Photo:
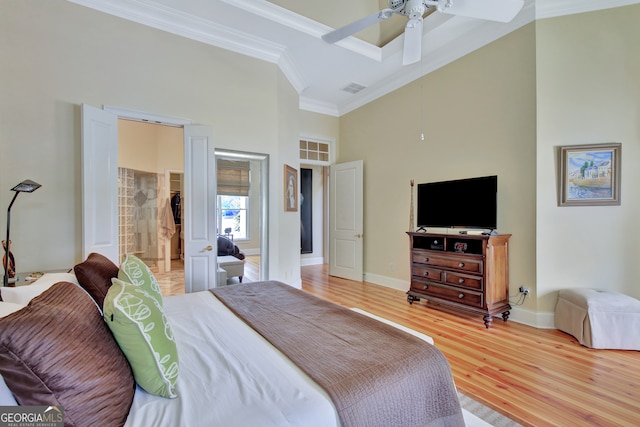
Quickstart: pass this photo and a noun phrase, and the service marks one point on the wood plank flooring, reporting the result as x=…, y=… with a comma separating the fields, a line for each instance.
x=536, y=377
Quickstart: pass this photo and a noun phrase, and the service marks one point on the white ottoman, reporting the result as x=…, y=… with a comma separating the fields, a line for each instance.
x=599, y=319
x=221, y=279
x=232, y=265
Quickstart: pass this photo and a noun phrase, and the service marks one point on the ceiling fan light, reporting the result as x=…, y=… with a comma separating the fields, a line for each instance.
x=492, y=10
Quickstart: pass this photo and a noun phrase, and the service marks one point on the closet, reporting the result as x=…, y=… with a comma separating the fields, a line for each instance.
x=175, y=197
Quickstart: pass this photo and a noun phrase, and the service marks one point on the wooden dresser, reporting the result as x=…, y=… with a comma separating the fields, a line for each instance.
x=461, y=272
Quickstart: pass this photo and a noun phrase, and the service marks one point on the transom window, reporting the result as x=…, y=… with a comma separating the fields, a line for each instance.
x=314, y=150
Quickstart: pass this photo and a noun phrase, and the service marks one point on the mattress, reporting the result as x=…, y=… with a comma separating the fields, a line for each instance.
x=225, y=367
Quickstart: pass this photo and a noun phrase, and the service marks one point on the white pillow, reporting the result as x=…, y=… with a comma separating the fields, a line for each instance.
x=6, y=308
x=24, y=294
x=6, y=397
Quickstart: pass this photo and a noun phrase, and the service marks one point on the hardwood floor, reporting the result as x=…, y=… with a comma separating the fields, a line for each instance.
x=172, y=282
x=537, y=377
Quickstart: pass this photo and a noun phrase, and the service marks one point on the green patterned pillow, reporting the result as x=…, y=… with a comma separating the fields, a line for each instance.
x=144, y=335
x=133, y=270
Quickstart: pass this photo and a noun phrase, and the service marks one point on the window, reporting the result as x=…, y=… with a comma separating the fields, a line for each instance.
x=233, y=198
x=232, y=216
x=314, y=151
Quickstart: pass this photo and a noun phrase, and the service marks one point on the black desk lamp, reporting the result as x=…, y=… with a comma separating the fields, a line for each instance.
x=26, y=186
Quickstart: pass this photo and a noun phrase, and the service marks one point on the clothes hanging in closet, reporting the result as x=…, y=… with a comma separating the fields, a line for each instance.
x=175, y=207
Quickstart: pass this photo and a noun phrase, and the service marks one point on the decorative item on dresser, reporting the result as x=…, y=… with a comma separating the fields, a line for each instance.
x=411, y=183
x=464, y=272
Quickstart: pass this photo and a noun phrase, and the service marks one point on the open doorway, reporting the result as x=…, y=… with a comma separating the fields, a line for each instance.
x=150, y=192
x=243, y=208
x=151, y=219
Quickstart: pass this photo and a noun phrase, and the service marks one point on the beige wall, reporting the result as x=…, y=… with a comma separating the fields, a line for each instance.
x=588, y=92
x=502, y=109
x=505, y=109
x=319, y=125
x=58, y=55
x=478, y=117
x=150, y=148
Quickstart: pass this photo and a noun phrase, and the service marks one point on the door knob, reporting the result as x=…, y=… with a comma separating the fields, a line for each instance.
x=208, y=248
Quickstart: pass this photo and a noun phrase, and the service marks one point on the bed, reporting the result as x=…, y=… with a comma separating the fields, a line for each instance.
x=247, y=355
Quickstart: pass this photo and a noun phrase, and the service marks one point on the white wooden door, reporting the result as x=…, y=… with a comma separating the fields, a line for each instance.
x=199, y=201
x=346, y=220
x=100, y=195
x=99, y=148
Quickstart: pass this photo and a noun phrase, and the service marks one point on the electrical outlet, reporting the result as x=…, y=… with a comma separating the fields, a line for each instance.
x=524, y=290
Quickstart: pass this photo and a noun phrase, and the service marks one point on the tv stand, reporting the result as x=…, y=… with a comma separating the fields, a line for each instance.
x=461, y=273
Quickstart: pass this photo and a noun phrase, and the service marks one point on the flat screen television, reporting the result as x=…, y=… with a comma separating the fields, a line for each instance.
x=462, y=203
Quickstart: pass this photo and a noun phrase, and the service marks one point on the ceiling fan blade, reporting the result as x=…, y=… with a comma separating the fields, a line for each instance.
x=356, y=26
x=412, y=51
x=491, y=10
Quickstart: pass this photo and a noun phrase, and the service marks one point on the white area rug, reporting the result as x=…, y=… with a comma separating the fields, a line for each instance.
x=478, y=415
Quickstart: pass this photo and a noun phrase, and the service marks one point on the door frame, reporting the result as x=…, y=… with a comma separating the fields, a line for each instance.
x=264, y=201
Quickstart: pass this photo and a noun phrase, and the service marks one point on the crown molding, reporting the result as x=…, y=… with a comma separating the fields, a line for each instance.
x=315, y=106
x=176, y=22
x=553, y=8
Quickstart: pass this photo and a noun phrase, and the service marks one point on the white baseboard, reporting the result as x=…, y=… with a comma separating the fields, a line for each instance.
x=389, y=282
x=517, y=314
x=311, y=261
x=255, y=251
x=533, y=318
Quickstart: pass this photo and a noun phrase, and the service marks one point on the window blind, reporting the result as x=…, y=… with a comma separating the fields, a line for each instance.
x=233, y=177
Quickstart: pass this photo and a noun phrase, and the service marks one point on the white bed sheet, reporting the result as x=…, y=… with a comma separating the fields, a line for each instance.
x=229, y=376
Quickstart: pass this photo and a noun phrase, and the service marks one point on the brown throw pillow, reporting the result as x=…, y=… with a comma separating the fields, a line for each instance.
x=58, y=351
x=95, y=274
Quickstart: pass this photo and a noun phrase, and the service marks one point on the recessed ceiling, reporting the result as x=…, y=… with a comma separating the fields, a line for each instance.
x=288, y=33
x=324, y=12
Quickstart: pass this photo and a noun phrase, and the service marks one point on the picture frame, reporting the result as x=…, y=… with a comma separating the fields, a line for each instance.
x=589, y=175
x=290, y=189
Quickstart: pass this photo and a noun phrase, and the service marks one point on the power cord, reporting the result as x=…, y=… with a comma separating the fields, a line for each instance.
x=524, y=292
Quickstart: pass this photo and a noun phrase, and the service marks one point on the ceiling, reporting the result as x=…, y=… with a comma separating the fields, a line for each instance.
x=288, y=33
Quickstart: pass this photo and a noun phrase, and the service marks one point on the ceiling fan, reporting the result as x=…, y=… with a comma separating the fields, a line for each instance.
x=414, y=10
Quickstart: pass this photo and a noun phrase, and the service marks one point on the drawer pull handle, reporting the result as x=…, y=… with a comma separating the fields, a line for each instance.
x=460, y=296
x=460, y=280
x=426, y=273
x=426, y=260
x=461, y=264
x=425, y=287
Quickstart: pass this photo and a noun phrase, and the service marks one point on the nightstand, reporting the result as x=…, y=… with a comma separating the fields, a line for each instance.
x=23, y=279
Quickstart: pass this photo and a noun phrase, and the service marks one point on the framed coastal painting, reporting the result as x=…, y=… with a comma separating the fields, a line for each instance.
x=589, y=175
x=290, y=189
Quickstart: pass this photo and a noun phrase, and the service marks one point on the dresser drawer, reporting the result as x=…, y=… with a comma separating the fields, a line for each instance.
x=458, y=263
x=463, y=280
x=420, y=270
x=469, y=298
